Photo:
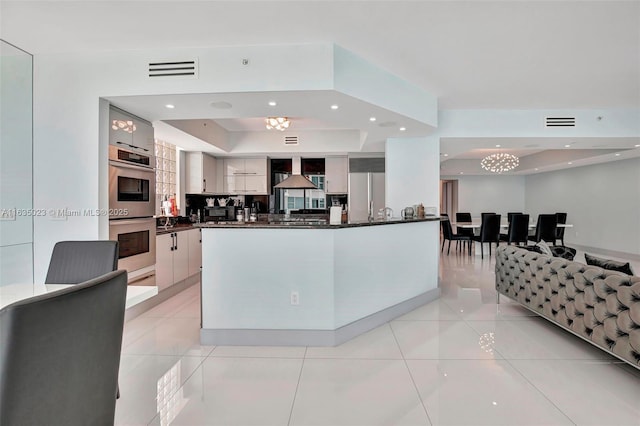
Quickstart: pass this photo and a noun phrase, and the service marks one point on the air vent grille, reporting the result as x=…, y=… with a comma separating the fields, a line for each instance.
x=291, y=140
x=173, y=69
x=560, y=122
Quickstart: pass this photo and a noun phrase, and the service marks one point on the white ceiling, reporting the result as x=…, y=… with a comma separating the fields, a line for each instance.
x=474, y=54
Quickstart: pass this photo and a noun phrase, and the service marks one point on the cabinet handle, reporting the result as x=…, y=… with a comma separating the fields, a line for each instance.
x=204, y=185
x=176, y=234
x=173, y=242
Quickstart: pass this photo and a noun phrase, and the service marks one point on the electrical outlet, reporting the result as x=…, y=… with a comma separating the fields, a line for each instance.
x=295, y=298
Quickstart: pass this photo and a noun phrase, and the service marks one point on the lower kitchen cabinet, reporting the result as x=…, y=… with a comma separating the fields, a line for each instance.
x=172, y=258
x=195, y=250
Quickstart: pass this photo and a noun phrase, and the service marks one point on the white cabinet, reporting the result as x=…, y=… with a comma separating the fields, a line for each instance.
x=336, y=171
x=130, y=132
x=194, y=237
x=201, y=174
x=245, y=176
x=172, y=258
x=164, y=261
x=181, y=256
x=245, y=166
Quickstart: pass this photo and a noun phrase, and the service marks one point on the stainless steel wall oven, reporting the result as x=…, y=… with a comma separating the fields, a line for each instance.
x=132, y=198
x=137, y=242
x=132, y=184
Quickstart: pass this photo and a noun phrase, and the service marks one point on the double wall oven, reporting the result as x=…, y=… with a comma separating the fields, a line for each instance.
x=132, y=206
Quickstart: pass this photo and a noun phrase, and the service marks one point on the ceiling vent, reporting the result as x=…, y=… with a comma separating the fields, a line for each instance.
x=173, y=69
x=560, y=122
x=291, y=140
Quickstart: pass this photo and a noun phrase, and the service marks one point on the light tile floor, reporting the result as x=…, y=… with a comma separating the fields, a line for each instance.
x=460, y=360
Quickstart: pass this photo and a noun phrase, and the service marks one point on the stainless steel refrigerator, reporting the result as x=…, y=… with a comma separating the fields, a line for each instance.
x=366, y=192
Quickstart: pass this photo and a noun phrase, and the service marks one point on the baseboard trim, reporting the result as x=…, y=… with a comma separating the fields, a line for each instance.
x=142, y=307
x=606, y=252
x=257, y=337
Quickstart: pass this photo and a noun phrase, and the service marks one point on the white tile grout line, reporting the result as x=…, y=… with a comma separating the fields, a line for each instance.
x=406, y=365
x=295, y=394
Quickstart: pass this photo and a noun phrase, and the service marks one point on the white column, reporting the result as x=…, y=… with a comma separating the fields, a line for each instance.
x=412, y=168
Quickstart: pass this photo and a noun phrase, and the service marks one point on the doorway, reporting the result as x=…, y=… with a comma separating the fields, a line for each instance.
x=449, y=197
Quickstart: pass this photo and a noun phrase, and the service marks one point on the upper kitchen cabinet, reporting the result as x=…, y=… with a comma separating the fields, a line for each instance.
x=245, y=166
x=201, y=174
x=336, y=171
x=130, y=132
x=245, y=176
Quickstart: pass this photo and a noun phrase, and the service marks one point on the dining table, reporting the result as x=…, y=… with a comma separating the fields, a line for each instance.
x=477, y=224
x=11, y=293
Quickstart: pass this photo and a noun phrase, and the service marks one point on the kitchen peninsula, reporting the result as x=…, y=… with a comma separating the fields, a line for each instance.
x=313, y=284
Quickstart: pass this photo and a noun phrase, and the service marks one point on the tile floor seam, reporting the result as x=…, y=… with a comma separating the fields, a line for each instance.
x=415, y=386
x=143, y=334
x=545, y=396
x=295, y=393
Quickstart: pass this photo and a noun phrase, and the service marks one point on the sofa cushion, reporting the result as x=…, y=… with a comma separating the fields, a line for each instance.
x=544, y=248
x=611, y=265
x=556, y=251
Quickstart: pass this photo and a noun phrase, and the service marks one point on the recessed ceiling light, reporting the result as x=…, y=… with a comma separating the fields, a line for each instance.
x=372, y=119
x=569, y=162
x=334, y=106
x=272, y=103
x=461, y=173
x=617, y=154
x=567, y=146
x=446, y=155
x=498, y=146
x=637, y=145
x=402, y=129
x=536, y=169
x=170, y=106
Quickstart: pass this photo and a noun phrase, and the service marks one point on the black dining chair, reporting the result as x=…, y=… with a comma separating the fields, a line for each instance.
x=545, y=228
x=447, y=234
x=511, y=214
x=73, y=262
x=464, y=217
x=60, y=354
x=518, y=231
x=489, y=232
x=562, y=219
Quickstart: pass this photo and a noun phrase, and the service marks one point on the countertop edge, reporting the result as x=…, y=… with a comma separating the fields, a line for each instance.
x=259, y=225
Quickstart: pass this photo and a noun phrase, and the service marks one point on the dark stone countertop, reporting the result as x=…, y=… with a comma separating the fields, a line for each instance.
x=310, y=224
x=175, y=228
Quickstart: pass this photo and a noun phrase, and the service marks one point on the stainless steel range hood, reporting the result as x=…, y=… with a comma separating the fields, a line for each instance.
x=296, y=182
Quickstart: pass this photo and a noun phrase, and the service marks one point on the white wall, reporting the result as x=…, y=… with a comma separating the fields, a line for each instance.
x=500, y=194
x=412, y=173
x=602, y=201
x=16, y=228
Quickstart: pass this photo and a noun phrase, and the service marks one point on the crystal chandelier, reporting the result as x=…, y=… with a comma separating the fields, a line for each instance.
x=278, y=123
x=500, y=162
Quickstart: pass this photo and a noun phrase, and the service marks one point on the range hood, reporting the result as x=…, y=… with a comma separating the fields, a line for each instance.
x=296, y=182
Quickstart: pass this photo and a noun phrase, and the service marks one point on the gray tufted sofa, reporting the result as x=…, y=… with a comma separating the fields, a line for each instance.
x=602, y=307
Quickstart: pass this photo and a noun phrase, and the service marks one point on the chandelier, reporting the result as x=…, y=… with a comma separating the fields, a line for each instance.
x=278, y=123
x=127, y=125
x=500, y=162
